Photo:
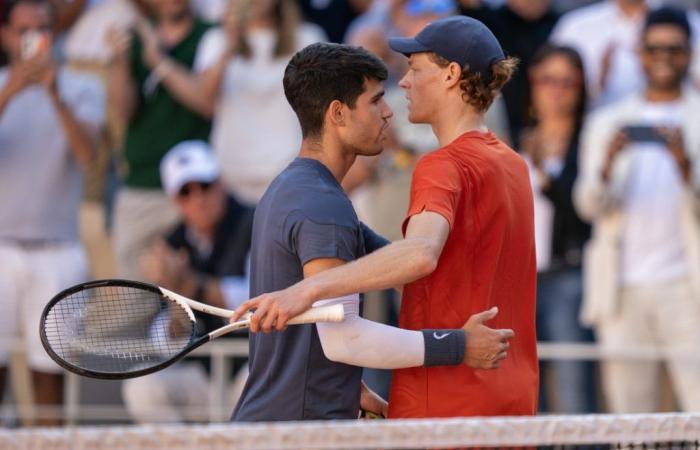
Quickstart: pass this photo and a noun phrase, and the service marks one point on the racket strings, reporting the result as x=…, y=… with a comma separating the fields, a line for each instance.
x=117, y=329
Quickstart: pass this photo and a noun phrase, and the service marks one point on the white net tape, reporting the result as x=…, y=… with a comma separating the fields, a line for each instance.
x=623, y=430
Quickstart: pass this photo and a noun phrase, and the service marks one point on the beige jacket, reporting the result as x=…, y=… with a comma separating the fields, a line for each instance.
x=600, y=203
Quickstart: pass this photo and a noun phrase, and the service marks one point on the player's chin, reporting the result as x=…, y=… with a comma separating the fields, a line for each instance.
x=416, y=117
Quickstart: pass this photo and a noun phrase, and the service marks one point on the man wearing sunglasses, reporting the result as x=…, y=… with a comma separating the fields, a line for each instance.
x=205, y=258
x=638, y=185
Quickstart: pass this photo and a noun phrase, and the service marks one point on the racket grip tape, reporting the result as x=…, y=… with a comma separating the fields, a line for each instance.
x=330, y=313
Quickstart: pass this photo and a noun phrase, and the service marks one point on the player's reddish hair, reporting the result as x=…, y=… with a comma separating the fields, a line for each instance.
x=476, y=91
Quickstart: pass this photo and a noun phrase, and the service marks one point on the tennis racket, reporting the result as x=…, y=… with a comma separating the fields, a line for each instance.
x=117, y=329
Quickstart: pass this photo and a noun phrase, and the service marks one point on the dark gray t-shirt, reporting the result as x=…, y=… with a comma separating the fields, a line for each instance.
x=304, y=215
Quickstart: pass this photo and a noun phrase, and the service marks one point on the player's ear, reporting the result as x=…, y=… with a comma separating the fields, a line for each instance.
x=453, y=74
x=336, y=113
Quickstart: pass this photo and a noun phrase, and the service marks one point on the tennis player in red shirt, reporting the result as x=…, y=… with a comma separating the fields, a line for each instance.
x=469, y=239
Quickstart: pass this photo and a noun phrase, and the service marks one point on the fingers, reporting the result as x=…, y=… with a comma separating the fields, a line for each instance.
x=484, y=315
x=506, y=334
x=242, y=309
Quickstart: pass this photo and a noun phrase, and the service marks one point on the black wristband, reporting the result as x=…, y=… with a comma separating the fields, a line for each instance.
x=444, y=347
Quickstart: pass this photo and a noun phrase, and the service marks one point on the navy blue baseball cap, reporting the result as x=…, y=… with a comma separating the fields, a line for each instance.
x=458, y=39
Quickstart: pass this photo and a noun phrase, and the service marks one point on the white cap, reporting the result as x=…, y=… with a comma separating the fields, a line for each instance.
x=186, y=162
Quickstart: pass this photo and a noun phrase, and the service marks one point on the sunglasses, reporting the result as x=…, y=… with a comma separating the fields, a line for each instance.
x=188, y=188
x=673, y=50
x=560, y=82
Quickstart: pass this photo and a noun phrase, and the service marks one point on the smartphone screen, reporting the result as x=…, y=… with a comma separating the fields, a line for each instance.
x=643, y=133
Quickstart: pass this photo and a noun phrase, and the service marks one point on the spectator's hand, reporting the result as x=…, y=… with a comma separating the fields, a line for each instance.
x=165, y=266
x=20, y=76
x=485, y=346
x=370, y=401
x=676, y=145
x=152, y=53
x=233, y=24
x=119, y=41
x=618, y=142
x=47, y=75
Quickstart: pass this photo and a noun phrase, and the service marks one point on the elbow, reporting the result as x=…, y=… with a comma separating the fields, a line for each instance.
x=331, y=343
x=425, y=259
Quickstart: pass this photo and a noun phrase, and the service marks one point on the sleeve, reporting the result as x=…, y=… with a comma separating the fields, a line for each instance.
x=373, y=241
x=361, y=342
x=210, y=49
x=312, y=239
x=436, y=188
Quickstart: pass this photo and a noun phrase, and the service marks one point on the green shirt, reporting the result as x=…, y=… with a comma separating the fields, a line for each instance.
x=160, y=121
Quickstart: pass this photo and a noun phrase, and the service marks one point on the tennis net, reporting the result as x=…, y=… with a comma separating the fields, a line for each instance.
x=648, y=431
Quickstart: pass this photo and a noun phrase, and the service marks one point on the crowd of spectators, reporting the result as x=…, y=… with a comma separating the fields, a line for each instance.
x=137, y=136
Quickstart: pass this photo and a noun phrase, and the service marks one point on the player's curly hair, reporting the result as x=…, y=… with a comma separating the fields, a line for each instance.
x=477, y=92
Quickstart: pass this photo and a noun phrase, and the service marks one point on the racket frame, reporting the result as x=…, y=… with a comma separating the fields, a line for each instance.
x=332, y=313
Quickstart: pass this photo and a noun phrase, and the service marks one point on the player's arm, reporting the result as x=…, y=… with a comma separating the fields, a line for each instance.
x=396, y=264
x=365, y=343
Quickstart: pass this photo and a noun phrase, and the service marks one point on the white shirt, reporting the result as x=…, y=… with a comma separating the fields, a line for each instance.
x=41, y=181
x=593, y=29
x=652, y=245
x=255, y=132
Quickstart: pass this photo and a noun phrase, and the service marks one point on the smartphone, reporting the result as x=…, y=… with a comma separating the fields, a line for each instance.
x=34, y=43
x=643, y=133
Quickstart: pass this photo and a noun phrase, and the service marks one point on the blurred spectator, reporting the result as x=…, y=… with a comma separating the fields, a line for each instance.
x=334, y=16
x=550, y=147
x=638, y=184
x=606, y=34
x=165, y=92
x=49, y=120
x=522, y=27
x=204, y=258
x=251, y=97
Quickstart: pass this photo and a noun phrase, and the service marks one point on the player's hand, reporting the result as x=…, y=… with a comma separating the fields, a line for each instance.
x=371, y=402
x=273, y=310
x=486, y=347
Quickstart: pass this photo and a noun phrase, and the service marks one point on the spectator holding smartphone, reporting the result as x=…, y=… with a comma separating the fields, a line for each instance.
x=49, y=119
x=639, y=188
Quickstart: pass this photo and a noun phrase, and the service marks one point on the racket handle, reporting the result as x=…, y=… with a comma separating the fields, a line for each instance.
x=331, y=313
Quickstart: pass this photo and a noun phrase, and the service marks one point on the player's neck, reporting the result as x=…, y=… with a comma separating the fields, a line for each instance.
x=335, y=160
x=450, y=125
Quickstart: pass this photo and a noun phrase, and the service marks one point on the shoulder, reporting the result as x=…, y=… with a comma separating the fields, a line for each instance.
x=437, y=169
x=300, y=193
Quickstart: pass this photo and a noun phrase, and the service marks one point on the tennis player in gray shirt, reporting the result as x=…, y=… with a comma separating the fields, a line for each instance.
x=305, y=224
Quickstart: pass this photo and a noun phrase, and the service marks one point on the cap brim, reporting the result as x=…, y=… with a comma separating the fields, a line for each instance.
x=407, y=46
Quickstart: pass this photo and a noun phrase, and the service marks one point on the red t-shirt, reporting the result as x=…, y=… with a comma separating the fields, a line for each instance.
x=482, y=188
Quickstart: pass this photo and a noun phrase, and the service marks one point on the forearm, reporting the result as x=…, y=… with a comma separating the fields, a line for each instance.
x=361, y=342
x=121, y=90
x=80, y=141
x=364, y=343
x=394, y=265
x=5, y=97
